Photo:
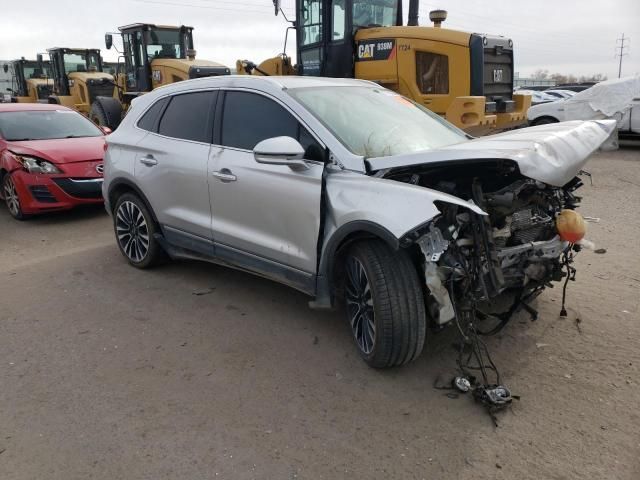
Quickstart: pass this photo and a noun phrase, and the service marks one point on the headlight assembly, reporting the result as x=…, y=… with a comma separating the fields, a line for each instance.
x=37, y=165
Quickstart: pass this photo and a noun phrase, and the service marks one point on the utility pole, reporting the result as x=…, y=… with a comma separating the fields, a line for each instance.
x=622, y=52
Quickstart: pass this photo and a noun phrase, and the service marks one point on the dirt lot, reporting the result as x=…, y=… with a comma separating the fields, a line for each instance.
x=107, y=372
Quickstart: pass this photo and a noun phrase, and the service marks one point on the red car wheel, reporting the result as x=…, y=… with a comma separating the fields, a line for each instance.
x=11, y=197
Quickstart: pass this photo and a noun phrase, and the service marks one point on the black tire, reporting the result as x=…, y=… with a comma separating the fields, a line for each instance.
x=106, y=112
x=543, y=121
x=11, y=198
x=396, y=303
x=135, y=228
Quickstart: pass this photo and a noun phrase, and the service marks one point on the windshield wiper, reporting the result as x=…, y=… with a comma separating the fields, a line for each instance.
x=19, y=139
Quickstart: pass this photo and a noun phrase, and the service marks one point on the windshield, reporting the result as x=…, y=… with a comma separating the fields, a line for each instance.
x=164, y=44
x=376, y=122
x=81, y=62
x=33, y=70
x=45, y=125
x=374, y=12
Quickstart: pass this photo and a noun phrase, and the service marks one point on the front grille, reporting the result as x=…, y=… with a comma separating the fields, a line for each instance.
x=42, y=194
x=99, y=88
x=89, y=188
x=498, y=73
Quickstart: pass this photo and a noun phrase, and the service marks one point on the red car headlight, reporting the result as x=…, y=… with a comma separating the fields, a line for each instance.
x=37, y=165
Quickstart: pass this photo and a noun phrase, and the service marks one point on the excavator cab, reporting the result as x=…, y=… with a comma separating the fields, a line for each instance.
x=326, y=31
x=156, y=55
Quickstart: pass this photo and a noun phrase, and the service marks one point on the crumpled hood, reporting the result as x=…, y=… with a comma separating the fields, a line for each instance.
x=552, y=153
x=62, y=150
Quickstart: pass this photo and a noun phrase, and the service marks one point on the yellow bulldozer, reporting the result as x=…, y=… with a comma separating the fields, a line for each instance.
x=154, y=55
x=465, y=77
x=30, y=80
x=78, y=78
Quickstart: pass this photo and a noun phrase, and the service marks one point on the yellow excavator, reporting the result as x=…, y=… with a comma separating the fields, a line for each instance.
x=154, y=55
x=465, y=77
x=30, y=80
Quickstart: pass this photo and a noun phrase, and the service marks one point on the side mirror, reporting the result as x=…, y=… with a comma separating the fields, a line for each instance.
x=276, y=5
x=5, y=67
x=39, y=58
x=281, y=151
x=106, y=130
x=108, y=40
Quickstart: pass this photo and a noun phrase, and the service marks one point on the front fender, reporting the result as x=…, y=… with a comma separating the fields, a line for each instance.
x=396, y=206
x=379, y=207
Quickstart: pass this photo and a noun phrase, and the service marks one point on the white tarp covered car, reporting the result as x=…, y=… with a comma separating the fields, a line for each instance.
x=618, y=99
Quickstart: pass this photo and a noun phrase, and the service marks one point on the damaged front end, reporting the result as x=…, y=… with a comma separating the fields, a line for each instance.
x=513, y=251
x=481, y=269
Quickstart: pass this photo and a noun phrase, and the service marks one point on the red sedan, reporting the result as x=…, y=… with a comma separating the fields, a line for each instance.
x=50, y=159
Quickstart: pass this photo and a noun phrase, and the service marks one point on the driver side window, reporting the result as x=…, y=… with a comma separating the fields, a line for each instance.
x=249, y=118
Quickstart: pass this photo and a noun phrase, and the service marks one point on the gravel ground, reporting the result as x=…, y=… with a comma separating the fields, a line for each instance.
x=108, y=372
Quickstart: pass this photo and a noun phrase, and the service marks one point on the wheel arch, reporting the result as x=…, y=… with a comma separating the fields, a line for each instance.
x=119, y=187
x=334, y=250
x=540, y=120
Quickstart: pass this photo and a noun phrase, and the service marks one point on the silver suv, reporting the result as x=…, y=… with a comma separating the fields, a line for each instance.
x=348, y=192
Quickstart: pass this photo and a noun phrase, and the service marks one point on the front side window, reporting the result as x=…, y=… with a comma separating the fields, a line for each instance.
x=311, y=15
x=250, y=118
x=45, y=125
x=187, y=117
x=432, y=73
x=376, y=122
x=378, y=13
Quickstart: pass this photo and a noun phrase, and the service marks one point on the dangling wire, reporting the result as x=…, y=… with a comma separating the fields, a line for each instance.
x=567, y=259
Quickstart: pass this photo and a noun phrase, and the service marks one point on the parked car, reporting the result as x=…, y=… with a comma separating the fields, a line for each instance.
x=560, y=93
x=50, y=159
x=618, y=99
x=348, y=192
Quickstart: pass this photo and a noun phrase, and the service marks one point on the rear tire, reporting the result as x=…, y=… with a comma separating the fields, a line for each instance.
x=11, y=197
x=384, y=304
x=135, y=228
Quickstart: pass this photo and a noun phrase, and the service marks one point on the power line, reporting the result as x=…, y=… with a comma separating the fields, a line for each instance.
x=622, y=52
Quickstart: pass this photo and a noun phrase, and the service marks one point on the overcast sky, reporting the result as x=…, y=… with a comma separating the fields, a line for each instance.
x=577, y=37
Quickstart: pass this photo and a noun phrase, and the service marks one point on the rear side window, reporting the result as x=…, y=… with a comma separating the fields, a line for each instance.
x=149, y=120
x=250, y=118
x=188, y=117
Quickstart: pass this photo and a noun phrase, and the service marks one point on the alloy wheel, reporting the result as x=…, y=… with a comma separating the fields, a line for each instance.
x=132, y=231
x=359, y=302
x=11, y=196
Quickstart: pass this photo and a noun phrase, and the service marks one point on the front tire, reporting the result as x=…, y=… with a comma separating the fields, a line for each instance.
x=12, y=198
x=543, y=121
x=135, y=229
x=384, y=304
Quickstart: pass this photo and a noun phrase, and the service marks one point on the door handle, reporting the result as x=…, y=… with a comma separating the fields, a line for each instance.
x=148, y=160
x=225, y=175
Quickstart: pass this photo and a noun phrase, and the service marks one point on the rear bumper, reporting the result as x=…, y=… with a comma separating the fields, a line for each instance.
x=45, y=193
